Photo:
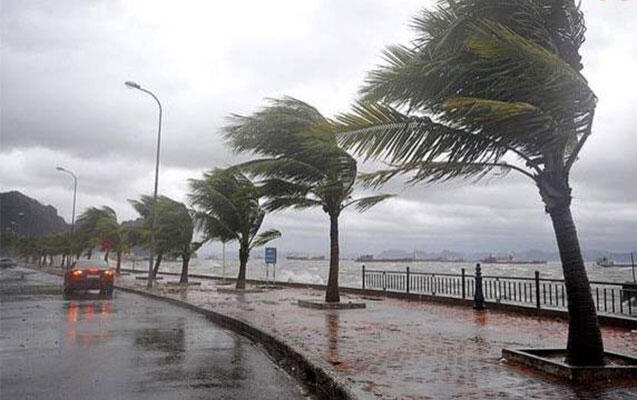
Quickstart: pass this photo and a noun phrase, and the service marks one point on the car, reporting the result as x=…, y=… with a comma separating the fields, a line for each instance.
x=84, y=275
x=7, y=263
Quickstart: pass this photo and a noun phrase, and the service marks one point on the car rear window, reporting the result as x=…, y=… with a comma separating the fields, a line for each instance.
x=91, y=264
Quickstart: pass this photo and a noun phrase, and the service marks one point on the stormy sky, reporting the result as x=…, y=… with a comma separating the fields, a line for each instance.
x=63, y=102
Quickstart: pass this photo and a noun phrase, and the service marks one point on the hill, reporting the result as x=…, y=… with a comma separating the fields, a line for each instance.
x=28, y=217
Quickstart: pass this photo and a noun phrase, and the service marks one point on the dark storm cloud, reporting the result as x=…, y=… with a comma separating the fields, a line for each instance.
x=63, y=102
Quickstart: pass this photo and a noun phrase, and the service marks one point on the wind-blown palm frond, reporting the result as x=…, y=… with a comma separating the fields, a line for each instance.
x=374, y=131
x=284, y=168
x=278, y=202
x=483, y=79
x=265, y=237
x=365, y=203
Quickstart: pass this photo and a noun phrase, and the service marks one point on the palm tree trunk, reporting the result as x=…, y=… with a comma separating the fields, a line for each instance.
x=106, y=255
x=332, y=294
x=157, y=262
x=184, y=268
x=89, y=254
x=244, y=253
x=584, y=346
x=119, y=262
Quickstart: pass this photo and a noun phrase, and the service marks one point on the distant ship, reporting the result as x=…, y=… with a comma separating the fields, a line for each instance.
x=305, y=258
x=607, y=263
x=509, y=260
x=371, y=258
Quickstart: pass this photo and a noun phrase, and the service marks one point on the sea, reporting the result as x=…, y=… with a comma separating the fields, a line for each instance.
x=315, y=271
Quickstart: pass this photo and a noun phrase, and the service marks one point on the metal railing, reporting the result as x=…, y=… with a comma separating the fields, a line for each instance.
x=609, y=297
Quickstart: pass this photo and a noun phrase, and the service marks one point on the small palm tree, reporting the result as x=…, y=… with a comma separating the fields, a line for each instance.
x=164, y=224
x=114, y=237
x=86, y=227
x=227, y=208
x=490, y=86
x=303, y=166
x=175, y=222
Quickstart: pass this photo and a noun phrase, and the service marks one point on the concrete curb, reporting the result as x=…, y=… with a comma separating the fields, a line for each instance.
x=312, y=372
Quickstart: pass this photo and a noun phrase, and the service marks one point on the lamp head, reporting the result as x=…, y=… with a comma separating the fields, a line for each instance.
x=132, y=85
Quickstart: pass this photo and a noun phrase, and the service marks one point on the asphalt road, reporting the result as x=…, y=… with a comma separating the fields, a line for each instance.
x=129, y=347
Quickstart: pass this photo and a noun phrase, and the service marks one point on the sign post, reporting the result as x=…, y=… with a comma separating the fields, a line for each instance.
x=270, y=258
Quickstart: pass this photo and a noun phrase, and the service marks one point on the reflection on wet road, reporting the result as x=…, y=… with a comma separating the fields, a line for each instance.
x=127, y=348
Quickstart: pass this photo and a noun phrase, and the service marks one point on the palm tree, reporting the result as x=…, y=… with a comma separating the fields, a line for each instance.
x=86, y=227
x=227, y=208
x=114, y=237
x=175, y=221
x=302, y=166
x=490, y=86
x=164, y=242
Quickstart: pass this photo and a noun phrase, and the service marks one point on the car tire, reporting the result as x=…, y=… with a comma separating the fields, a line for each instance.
x=108, y=293
x=68, y=293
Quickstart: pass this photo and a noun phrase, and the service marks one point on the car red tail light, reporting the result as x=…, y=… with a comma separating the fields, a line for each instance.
x=93, y=271
x=77, y=273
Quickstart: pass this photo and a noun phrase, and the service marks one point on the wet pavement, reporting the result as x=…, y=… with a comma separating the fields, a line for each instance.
x=129, y=347
x=411, y=350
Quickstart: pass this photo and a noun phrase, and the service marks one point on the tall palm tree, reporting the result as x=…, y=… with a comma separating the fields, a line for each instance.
x=227, y=208
x=302, y=166
x=490, y=86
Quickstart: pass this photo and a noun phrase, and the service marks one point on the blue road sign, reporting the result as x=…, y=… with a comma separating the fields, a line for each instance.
x=270, y=255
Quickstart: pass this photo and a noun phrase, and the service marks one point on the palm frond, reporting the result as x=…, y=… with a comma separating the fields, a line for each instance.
x=365, y=203
x=440, y=171
x=265, y=237
x=277, y=203
x=282, y=167
x=379, y=131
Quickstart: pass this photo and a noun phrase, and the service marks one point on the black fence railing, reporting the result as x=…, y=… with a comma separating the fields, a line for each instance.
x=609, y=297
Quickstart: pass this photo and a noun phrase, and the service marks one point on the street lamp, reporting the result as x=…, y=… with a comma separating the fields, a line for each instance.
x=134, y=85
x=66, y=171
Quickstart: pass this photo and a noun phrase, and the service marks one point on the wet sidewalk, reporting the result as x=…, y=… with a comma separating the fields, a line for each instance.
x=409, y=350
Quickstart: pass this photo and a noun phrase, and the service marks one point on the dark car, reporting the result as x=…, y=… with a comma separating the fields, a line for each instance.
x=89, y=275
x=7, y=263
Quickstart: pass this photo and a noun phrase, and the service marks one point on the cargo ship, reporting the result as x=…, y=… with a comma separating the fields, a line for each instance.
x=305, y=258
x=509, y=260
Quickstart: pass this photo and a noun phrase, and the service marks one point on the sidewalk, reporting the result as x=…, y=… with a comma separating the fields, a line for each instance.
x=408, y=350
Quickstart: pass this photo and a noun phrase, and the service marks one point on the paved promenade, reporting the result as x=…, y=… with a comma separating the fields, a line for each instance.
x=409, y=350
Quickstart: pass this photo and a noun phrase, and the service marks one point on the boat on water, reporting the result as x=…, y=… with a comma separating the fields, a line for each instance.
x=509, y=260
x=305, y=258
x=371, y=258
x=608, y=263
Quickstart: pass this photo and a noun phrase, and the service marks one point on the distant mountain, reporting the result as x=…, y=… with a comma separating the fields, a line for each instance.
x=28, y=217
x=394, y=254
x=533, y=254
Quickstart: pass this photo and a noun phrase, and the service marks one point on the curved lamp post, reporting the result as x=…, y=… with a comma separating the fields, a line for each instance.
x=66, y=171
x=134, y=85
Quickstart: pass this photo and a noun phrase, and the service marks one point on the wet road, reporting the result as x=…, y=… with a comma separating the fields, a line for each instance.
x=126, y=348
